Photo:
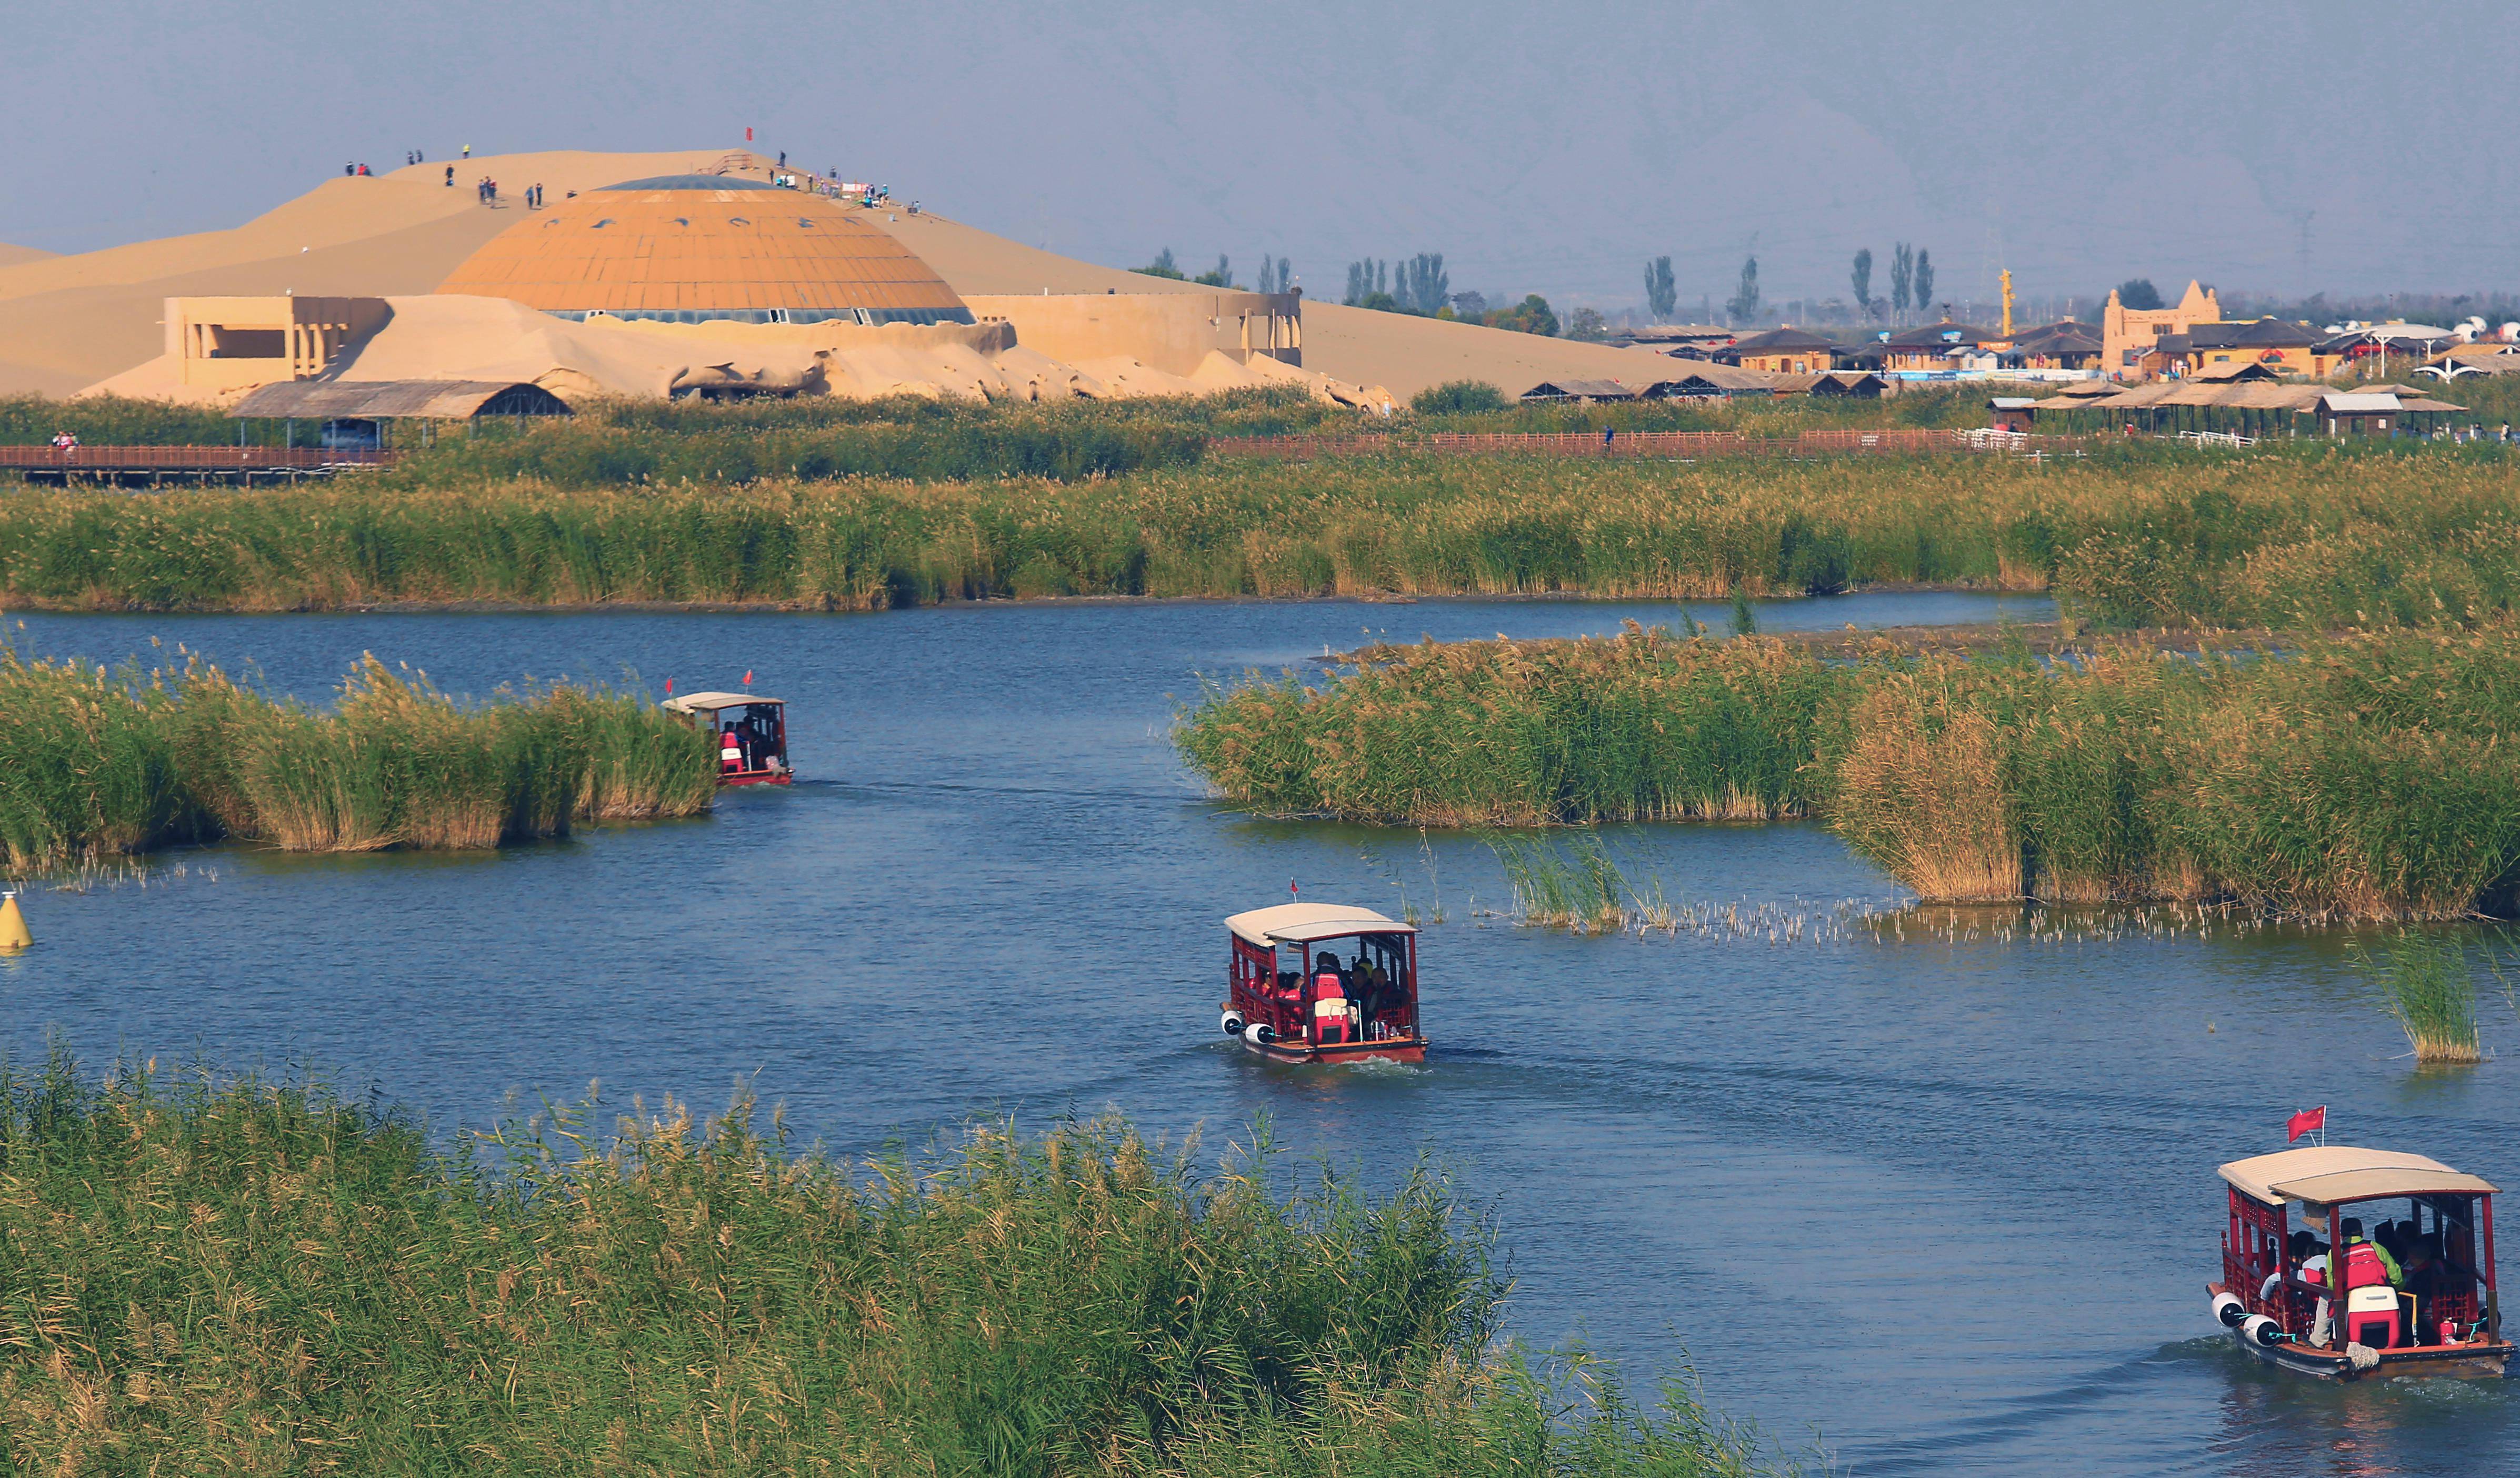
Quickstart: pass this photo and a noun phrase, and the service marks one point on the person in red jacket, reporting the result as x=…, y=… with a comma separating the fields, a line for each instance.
x=1329, y=1000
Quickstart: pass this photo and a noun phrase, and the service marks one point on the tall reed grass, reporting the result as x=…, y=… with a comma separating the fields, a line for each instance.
x=96, y=763
x=2368, y=775
x=2431, y=992
x=242, y=1275
x=2306, y=539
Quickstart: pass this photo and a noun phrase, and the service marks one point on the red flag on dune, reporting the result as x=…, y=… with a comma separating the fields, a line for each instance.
x=2305, y=1122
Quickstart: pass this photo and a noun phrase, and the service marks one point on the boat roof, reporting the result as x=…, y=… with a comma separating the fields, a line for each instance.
x=712, y=703
x=1304, y=922
x=2324, y=1174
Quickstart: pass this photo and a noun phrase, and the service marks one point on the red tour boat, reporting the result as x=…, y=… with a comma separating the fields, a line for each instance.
x=751, y=735
x=2413, y=1239
x=1312, y=1005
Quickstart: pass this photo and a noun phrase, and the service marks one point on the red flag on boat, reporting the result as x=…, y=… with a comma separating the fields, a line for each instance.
x=748, y=136
x=1293, y=891
x=669, y=686
x=747, y=677
x=2308, y=1121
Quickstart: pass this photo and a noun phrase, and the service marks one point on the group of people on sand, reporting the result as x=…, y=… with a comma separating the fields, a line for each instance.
x=2395, y=1255
x=1344, y=1002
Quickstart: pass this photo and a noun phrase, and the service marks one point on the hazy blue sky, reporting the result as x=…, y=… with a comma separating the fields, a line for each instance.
x=1550, y=146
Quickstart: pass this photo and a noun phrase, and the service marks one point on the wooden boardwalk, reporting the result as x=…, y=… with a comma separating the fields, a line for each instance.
x=1666, y=445
x=155, y=466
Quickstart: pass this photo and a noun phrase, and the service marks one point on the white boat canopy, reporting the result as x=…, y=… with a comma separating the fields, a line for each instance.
x=1305, y=923
x=2321, y=1174
x=712, y=703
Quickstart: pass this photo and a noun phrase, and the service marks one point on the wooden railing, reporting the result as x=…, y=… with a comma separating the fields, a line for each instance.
x=186, y=458
x=1663, y=444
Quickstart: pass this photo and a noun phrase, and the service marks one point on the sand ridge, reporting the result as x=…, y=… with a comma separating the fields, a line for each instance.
x=70, y=322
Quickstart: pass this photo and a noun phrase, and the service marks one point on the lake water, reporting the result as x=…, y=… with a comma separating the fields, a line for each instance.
x=1947, y=1203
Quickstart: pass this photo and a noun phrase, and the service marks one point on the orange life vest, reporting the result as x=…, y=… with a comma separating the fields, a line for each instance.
x=729, y=753
x=2362, y=1266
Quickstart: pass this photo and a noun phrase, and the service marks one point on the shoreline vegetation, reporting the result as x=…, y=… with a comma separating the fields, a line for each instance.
x=2362, y=777
x=252, y=1276
x=96, y=763
x=2309, y=538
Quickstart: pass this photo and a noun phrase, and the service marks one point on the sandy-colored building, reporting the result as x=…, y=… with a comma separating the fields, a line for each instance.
x=235, y=344
x=1171, y=331
x=1783, y=351
x=2270, y=342
x=2128, y=334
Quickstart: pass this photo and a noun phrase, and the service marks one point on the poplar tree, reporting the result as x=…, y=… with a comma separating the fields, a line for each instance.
x=1662, y=294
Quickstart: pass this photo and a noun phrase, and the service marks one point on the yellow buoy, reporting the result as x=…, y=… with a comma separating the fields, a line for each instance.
x=13, y=923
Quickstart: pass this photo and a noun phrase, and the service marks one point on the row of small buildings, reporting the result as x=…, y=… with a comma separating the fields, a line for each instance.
x=2189, y=341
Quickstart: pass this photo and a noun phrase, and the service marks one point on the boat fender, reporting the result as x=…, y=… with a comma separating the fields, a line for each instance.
x=2230, y=1310
x=1259, y=1034
x=1233, y=1023
x=2361, y=1357
x=2262, y=1331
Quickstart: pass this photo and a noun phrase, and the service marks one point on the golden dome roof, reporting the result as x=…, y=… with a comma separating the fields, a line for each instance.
x=688, y=247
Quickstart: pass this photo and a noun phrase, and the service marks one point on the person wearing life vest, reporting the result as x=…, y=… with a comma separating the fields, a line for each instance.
x=729, y=752
x=1329, y=1000
x=2368, y=1264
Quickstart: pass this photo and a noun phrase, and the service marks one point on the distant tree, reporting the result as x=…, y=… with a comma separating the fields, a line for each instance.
x=1588, y=325
x=2138, y=293
x=1532, y=315
x=1219, y=276
x=1864, y=281
x=1458, y=397
x=1903, y=278
x=1365, y=279
x=1380, y=302
x=1471, y=305
x=1276, y=275
x=1423, y=284
x=1662, y=294
x=1923, y=291
x=1743, y=305
x=1162, y=267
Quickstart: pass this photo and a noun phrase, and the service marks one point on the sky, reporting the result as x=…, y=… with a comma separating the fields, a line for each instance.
x=2272, y=149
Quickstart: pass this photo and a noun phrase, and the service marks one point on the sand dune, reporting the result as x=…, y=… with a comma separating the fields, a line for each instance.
x=70, y=322
x=1405, y=354
x=10, y=256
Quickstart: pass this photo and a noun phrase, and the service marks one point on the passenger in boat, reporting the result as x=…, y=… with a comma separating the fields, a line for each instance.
x=1329, y=1000
x=2367, y=1264
x=1373, y=988
x=2303, y=1251
x=730, y=751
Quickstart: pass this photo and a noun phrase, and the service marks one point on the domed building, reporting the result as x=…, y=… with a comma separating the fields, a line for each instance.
x=698, y=248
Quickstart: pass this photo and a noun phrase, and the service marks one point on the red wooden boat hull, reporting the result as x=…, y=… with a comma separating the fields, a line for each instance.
x=1389, y=1049
x=2475, y=1362
x=758, y=777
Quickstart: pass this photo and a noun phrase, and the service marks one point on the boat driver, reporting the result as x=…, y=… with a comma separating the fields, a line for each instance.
x=1329, y=1000
x=2366, y=1263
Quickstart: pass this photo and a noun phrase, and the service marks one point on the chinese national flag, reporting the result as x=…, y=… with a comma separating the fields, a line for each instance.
x=2305, y=1122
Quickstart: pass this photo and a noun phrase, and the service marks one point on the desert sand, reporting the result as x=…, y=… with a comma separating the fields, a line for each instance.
x=10, y=256
x=70, y=322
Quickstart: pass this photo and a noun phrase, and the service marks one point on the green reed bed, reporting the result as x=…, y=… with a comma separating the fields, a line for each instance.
x=96, y=763
x=2284, y=540
x=253, y=1277
x=2430, y=988
x=2362, y=777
